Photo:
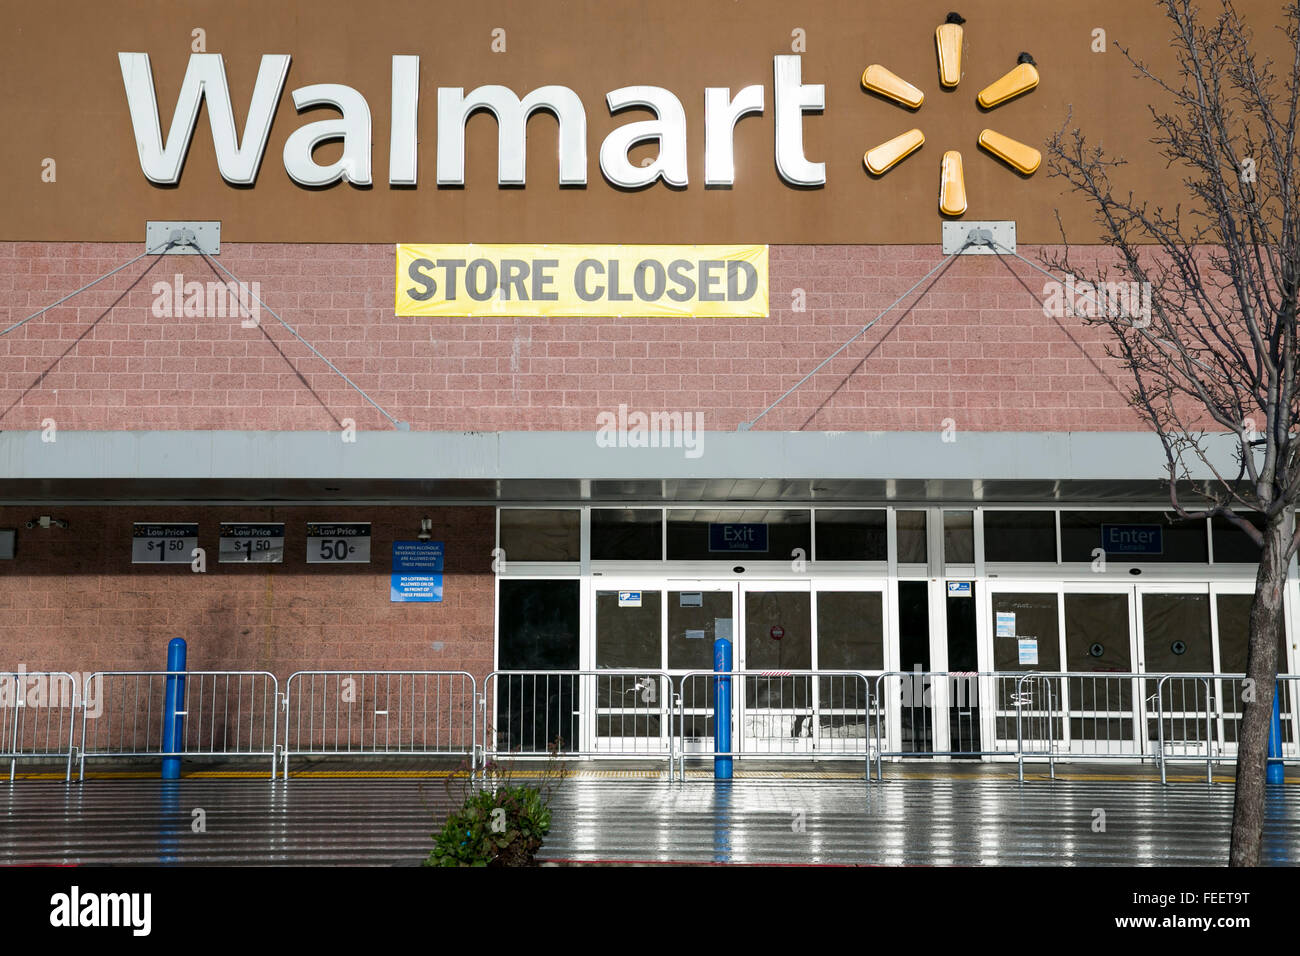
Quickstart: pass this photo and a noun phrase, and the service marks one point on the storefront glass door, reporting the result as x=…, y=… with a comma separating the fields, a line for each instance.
x=776, y=711
x=776, y=627
x=1097, y=634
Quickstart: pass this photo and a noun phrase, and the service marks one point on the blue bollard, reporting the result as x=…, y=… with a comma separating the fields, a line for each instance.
x=173, y=735
x=1276, y=770
x=722, y=709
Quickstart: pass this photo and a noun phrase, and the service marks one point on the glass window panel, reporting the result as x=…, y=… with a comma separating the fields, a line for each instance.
x=628, y=636
x=541, y=534
x=1234, y=633
x=626, y=534
x=1020, y=536
x=1097, y=632
x=692, y=627
x=538, y=630
x=1036, y=616
x=1176, y=638
x=911, y=537
x=1097, y=640
x=688, y=533
x=914, y=625
x=1181, y=541
x=1176, y=633
x=538, y=625
x=1232, y=545
x=959, y=537
x=960, y=620
x=852, y=535
x=778, y=637
x=850, y=630
x=1234, y=639
x=916, y=725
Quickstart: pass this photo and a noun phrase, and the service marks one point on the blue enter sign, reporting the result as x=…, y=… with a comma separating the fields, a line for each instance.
x=737, y=537
x=1132, y=539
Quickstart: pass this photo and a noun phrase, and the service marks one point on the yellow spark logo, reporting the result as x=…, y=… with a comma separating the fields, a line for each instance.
x=952, y=185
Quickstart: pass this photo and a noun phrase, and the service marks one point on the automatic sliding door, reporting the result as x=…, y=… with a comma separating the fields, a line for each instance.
x=1233, y=620
x=1026, y=629
x=1176, y=639
x=630, y=708
x=850, y=637
x=697, y=615
x=1102, y=705
x=778, y=709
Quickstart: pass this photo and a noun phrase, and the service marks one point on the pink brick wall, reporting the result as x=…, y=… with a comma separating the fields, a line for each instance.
x=74, y=601
x=977, y=349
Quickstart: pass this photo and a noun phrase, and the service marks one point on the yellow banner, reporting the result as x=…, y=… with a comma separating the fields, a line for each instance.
x=486, y=279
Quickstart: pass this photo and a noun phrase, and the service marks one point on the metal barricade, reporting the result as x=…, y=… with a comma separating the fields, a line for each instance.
x=38, y=717
x=1037, y=721
x=379, y=713
x=1185, y=720
x=825, y=714
x=1228, y=696
x=541, y=713
x=225, y=714
x=1100, y=714
x=1288, y=685
x=938, y=714
x=1199, y=718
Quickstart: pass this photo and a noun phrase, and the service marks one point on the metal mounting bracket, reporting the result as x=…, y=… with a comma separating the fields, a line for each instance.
x=183, y=238
x=983, y=236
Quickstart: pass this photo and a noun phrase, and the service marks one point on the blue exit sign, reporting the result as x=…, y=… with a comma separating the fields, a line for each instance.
x=1132, y=539
x=738, y=537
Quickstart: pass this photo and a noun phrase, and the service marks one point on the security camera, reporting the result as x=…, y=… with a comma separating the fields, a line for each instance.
x=46, y=521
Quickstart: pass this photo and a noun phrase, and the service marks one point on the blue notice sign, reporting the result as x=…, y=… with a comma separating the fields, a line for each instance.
x=1132, y=539
x=737, y=537
x=417, y=571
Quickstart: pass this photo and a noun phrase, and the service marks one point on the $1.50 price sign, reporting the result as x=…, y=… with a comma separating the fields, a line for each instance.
x=163, y=543
x=257, y=543
x=346, y=542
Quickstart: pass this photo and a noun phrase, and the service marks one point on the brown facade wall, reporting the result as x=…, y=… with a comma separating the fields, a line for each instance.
x=72, y=600
x=61, y=70
x=977, y=348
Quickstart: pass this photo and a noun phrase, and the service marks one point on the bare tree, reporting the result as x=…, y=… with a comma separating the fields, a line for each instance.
x=1212, y=351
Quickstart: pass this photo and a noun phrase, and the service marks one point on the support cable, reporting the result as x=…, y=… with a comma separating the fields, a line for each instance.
x=400, y=426
x=148, y=252
x=1101, y=307
x=746, y=426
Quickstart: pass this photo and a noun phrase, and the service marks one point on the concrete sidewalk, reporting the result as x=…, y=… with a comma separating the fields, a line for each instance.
x=992, y=821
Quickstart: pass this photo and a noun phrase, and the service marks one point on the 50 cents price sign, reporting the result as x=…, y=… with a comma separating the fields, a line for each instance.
x=163, y=543
x=345, y=542
x=259, y=543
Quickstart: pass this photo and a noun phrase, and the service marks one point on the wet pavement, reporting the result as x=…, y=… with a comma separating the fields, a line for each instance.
x=940, y=820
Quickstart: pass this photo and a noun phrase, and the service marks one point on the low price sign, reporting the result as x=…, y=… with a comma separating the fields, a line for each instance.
x=339, y=542
x=261, y=543
x=171, y=543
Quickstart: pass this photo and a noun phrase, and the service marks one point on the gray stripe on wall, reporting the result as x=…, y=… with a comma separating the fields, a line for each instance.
x=260, y=455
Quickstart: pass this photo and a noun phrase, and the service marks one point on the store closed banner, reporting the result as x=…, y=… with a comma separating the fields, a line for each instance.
x=478, y=279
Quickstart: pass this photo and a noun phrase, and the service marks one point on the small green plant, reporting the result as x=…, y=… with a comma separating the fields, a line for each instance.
x=501, y=823
x=502, y=827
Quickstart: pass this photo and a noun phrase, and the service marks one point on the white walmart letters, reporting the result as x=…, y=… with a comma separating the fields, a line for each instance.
x=239, y=158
